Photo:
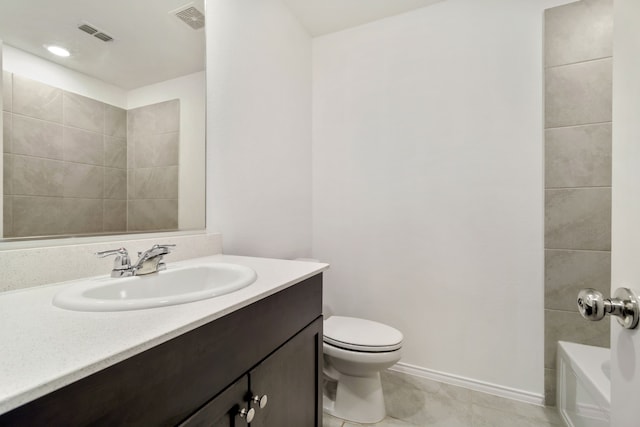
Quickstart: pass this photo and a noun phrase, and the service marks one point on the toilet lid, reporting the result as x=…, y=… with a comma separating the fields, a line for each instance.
x=361, y=335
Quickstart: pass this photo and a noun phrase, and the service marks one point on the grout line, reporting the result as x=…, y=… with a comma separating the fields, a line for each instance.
x=578, y=250
x=579, y=188
x=602, y=58
x=555, y=310
x=583, y=250
x=36, y=118
x=31, y=196
x=65, y=161
x=148, y=198
x=579, y=125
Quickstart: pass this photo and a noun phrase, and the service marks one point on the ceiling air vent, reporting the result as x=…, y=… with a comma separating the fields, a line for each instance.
x=87, y=29
x=92, y=30
x=104, y=37
x=190, y=16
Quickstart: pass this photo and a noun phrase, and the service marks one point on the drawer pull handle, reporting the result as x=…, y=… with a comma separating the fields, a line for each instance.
x=247, y=414
x=260, y=400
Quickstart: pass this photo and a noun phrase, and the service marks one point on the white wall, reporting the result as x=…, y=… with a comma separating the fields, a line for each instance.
x=428, y=183
x=191, y=91
x=258, y=128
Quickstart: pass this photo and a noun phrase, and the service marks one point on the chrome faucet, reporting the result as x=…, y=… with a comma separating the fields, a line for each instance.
x=149, y=261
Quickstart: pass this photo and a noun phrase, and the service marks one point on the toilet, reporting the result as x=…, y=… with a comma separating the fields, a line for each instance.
x=355, y=351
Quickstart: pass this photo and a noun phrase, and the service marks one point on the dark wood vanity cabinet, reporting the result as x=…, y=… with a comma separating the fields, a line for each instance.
x=207, y=376
x=288, y=379
x=223, y=410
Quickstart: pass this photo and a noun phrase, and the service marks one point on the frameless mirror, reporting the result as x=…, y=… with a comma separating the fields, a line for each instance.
x=109, y=139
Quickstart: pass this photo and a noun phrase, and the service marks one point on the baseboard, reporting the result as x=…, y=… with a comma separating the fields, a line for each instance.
x=471, y=384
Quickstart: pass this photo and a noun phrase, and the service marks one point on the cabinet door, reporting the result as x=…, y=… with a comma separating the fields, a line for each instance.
x=222, y=411
x=290, y=377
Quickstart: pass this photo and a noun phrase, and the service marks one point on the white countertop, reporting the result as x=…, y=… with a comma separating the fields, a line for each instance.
x=44, y=348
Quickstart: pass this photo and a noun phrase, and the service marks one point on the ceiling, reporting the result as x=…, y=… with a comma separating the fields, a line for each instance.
x=150, y=45
x=327, y=16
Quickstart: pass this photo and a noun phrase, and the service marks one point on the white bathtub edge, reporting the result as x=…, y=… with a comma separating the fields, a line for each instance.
x=586, y=361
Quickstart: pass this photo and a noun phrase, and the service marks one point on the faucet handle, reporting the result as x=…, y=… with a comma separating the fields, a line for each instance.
x=119, y=251
x=167, y=248
x=122, y=261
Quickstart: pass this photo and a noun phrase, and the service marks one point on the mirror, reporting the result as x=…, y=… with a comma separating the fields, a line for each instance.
x=111, y=138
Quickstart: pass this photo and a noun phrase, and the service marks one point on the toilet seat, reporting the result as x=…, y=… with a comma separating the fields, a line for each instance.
x=361, y=335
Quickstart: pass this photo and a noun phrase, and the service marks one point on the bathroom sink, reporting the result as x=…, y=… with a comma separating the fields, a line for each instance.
x=169, y=287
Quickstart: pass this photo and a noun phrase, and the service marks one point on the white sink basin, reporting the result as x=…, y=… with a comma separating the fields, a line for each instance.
x=172, y=286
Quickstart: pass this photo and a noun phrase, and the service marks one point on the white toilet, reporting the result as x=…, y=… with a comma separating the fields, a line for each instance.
x=355, y=351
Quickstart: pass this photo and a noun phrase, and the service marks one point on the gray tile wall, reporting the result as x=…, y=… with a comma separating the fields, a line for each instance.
x=578, y=73
x=64, y=161
x=74, y=165
x=153, y=158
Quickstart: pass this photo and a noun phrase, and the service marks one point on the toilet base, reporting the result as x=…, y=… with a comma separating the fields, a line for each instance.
x=358, y=399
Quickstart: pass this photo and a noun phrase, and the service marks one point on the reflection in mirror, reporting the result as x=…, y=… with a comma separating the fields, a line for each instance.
x=111, y=138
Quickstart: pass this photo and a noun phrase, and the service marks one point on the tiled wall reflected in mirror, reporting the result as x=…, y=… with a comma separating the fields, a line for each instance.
x=74, y=165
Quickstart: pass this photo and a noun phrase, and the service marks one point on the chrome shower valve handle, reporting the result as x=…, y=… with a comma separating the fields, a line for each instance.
x=624, y=305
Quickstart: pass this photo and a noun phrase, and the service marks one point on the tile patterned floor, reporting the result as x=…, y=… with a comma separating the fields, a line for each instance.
x=413, y=401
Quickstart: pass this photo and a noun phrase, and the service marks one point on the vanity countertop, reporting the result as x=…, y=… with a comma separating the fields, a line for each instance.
x=45, y=347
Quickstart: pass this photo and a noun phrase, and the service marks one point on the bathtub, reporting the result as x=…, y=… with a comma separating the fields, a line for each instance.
x=584, y=385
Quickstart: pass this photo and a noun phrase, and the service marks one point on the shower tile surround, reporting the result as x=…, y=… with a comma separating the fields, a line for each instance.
x=66, y=163
x=153, y=135
x=578, y=89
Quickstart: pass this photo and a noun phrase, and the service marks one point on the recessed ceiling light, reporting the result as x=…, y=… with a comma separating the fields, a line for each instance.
x=59, y=51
